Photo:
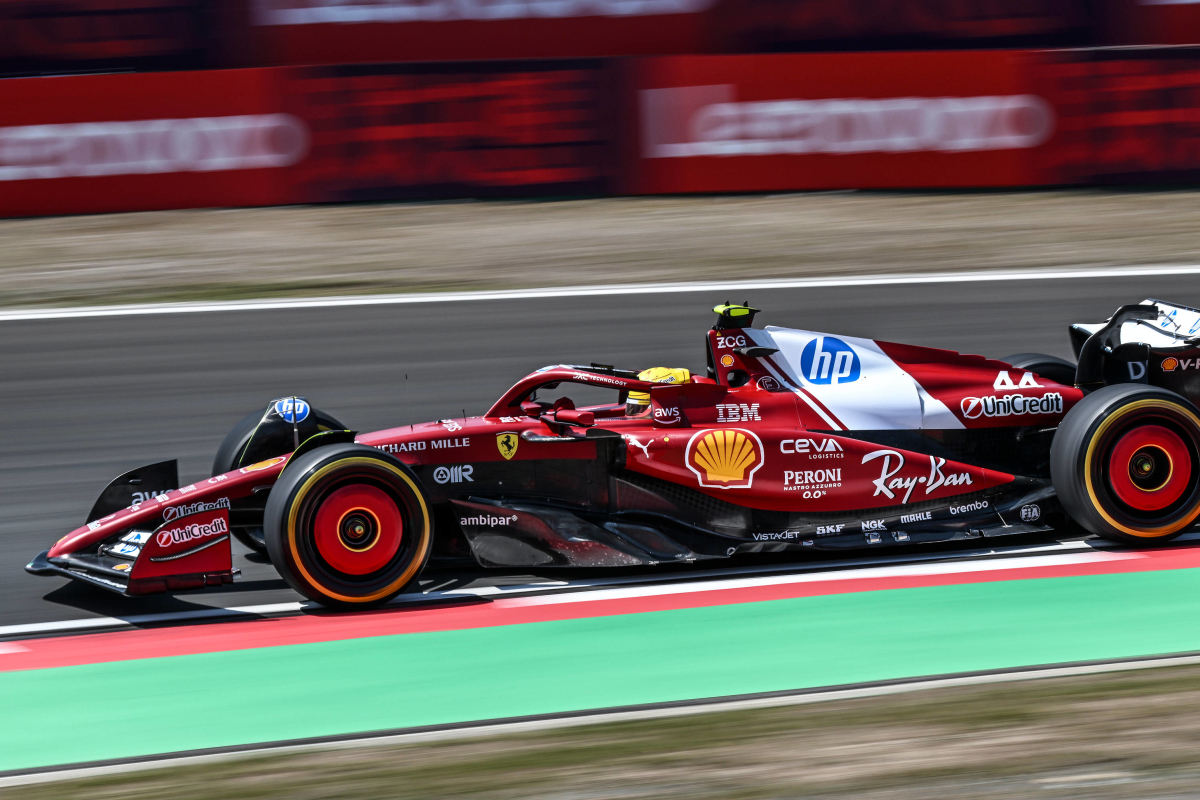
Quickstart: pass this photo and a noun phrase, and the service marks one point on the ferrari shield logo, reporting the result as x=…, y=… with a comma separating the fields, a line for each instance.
x=507, y=442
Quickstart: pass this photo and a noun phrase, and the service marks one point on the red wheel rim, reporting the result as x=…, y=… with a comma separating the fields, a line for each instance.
x=1149, y=468
x=358, y=529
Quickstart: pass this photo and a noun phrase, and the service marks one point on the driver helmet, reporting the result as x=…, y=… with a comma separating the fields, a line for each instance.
x=638, y=403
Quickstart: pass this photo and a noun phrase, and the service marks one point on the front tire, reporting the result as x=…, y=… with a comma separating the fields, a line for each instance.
x=348, y=526
x=232, y=454
x=1125, y=463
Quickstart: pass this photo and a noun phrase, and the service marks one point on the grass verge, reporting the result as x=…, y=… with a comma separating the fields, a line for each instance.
x=1118, y=735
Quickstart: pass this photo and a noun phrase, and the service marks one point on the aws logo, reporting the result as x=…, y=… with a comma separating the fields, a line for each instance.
x=724, y=459
x=827, y=359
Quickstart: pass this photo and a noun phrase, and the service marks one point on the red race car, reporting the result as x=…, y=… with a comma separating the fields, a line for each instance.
x=792, y=440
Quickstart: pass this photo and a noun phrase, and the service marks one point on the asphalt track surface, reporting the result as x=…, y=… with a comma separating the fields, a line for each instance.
x=85, y=399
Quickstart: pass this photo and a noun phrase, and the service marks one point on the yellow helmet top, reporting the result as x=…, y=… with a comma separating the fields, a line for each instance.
x=658, y=375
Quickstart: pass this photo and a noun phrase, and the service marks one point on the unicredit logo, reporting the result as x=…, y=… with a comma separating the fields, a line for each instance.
x=191, y=532
x=200, y=144
x=684, y=122
x=1011, y=405
x=316, y=12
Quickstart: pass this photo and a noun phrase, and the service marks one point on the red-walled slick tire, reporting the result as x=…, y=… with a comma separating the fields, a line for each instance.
x=1126, y=463
x=348, y=526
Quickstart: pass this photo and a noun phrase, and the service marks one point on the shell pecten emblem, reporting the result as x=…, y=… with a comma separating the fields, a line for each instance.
x=724, y=459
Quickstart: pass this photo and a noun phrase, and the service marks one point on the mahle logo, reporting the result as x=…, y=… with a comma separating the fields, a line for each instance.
x=725, y=459
x=829, y=360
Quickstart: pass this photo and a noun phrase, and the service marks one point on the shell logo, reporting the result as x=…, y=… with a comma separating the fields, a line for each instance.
x=724, y=459
x=1170, y=364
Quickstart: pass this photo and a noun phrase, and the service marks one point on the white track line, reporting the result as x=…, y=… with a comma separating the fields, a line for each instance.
x=821, y=570
x=601, y=718
x=17, y=315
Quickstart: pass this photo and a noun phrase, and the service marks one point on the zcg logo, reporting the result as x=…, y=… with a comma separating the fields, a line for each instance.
x=827, y=360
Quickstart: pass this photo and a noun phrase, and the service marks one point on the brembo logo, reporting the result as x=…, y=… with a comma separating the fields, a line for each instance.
x=315, y=12
x=1011, y=405
x=189, y=533
x=152, y=146
x=692, y=121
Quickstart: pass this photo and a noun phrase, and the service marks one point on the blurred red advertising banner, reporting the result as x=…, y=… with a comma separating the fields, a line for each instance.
x=1147, y=22
x=830, y=121
x=472, y=130
x=150, y=141
x=360, y=31
x=46, y=36
x=773, y=25
x=1124, y=116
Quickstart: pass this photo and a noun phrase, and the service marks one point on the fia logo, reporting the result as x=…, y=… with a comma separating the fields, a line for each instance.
x=292, y=409
x=1031, y=513
x=829, y=360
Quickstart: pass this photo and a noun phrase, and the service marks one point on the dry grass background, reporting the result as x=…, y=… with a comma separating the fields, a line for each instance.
x=307, y=250
x=1125, y=735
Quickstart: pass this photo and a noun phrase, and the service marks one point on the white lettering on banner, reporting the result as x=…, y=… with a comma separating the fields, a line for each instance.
x=151, y=146
x=678, y=123
x=737, y=412
x=316, y=12
x=886, y=482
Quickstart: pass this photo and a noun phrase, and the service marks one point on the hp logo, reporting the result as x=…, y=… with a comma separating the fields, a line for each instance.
x=829, y=360
x=292, y=409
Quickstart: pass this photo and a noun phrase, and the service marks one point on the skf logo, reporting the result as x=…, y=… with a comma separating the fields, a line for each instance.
x=724, y=459
x=508, y=443
x=738, y=412
x=1004, y=381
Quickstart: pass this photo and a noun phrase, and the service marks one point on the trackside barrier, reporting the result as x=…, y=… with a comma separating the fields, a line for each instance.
x=104, y=143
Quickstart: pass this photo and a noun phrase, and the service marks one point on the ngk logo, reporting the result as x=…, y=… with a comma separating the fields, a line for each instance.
x=200, y=144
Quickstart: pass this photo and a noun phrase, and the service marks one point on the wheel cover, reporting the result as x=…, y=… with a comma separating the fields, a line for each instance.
x=418, y=533
x=358, y=529
x=1104, y=468
x=1149, y=467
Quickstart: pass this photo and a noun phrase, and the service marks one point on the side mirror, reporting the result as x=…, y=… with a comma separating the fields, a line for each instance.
x=572, y=417
x=531, y=408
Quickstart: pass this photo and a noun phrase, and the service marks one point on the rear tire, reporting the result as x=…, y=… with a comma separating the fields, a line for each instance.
x=1056, y=369
x=348, y=526
x=228, y=459
x=1125, y=463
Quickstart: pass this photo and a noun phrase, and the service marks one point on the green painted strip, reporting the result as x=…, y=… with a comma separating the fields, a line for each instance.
x=130, y=708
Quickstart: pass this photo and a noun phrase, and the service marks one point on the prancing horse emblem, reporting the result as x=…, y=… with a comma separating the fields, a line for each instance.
x=507, y=442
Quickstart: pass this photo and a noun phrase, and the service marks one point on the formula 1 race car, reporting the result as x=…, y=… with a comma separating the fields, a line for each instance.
x=793, y=440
